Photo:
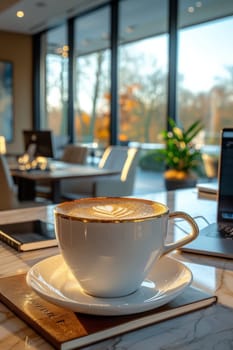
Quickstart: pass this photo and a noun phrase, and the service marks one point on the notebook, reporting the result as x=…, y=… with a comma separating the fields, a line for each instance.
x=65, y=329
x=207, y=190
x=216, y=239
x=28, y=235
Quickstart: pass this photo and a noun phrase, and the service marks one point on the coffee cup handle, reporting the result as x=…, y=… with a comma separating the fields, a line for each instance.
x=187, y=238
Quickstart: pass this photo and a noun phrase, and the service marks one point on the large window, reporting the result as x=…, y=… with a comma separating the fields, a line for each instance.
x=205, y=66
x=56, y=81
x=143, y=68
x=92, y=77
x=204, y=82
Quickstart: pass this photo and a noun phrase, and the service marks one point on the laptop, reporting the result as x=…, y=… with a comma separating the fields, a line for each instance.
x=216, y=239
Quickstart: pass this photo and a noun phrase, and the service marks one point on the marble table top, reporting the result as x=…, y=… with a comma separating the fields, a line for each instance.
x=208, y=328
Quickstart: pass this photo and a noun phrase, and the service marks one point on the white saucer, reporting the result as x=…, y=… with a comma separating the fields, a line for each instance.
x=52, y=280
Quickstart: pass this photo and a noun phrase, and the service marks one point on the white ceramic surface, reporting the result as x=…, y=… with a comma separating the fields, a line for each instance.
x=52, y=280
x=111, y=244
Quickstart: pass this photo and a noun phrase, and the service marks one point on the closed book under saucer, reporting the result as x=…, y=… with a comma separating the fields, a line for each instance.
x=65, y=329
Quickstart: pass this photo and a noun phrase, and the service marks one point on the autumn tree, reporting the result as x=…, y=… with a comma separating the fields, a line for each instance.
x=142, y=115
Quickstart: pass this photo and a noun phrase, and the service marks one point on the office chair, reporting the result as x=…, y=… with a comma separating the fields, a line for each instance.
x=9, y=195
x=76, y=154
x=120, y=158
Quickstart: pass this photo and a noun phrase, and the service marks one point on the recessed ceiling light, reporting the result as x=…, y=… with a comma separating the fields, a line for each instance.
x=20, y=14
x=191, y=9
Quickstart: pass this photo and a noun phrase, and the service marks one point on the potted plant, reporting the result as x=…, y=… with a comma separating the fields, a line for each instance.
x=181, y=157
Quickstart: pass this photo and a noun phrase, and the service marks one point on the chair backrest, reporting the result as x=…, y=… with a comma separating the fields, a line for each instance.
x=124, y=159
x=75, y=154
x=8, y=198
x=114, y=157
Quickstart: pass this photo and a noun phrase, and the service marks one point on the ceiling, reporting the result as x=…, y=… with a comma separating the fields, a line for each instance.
x=40, y=14
x=43, y=14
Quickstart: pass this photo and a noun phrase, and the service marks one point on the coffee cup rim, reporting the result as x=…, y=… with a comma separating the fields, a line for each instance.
x=58, y=210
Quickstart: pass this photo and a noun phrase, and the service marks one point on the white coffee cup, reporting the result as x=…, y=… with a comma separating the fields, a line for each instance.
x=111, y=244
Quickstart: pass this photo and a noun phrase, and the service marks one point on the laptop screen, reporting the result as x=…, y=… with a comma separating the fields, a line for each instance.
x=225, y=192
x=216, y=239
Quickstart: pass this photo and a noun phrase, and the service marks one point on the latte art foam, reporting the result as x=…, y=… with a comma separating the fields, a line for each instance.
x=111, y=209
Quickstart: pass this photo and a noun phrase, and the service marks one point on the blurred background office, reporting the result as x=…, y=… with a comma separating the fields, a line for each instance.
x=112, y=72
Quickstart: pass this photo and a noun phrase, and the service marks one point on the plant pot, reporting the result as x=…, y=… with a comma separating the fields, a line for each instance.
x=175, y=179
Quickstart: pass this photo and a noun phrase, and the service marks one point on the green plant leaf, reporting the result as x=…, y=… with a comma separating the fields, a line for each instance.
x=180, y=153
x=193, y=130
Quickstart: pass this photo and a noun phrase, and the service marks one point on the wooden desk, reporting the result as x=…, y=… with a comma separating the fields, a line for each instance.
x=27, y=180
x=210, y=328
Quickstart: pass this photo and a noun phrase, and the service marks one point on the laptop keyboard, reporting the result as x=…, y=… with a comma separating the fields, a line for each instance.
x=226, y=230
